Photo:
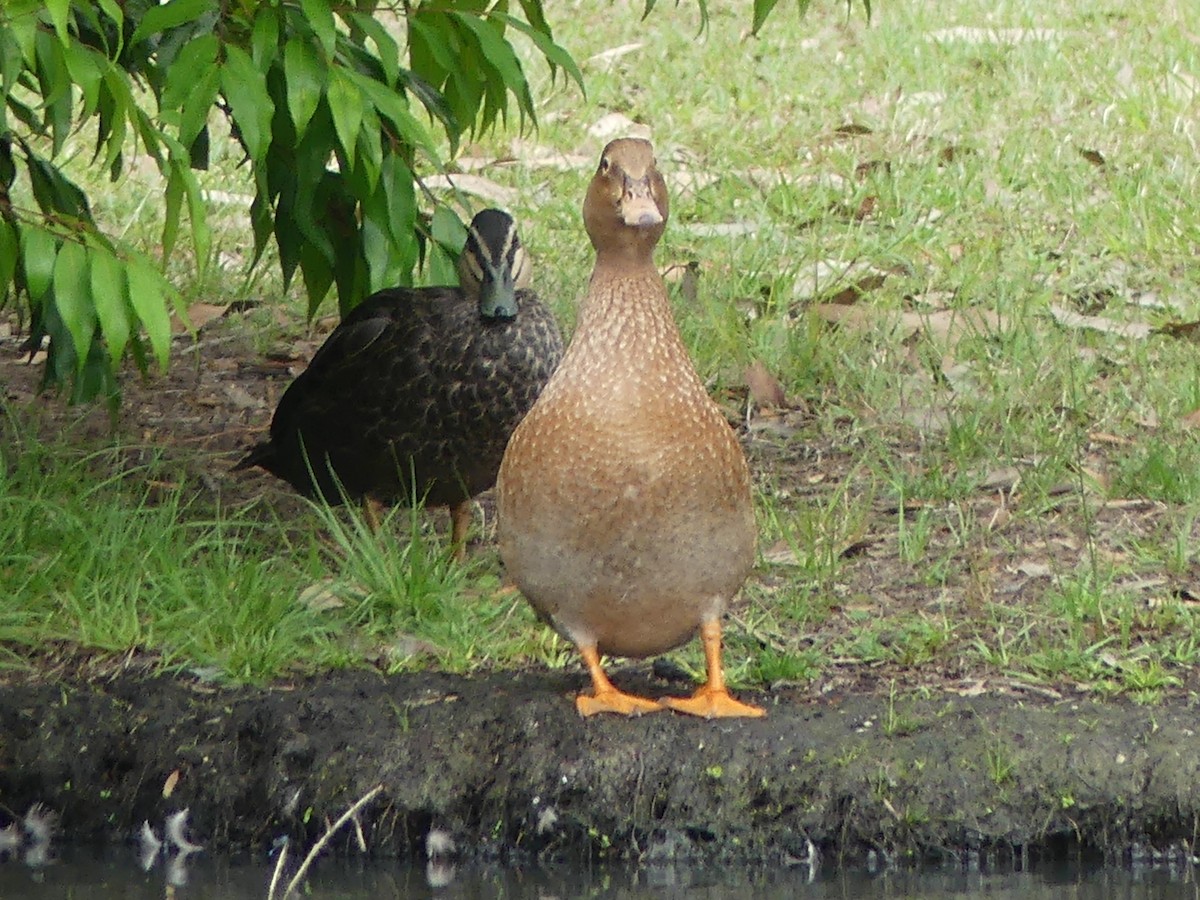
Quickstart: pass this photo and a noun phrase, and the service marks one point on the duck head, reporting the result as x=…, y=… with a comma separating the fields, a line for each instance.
x=626, y=206
x=493, y=265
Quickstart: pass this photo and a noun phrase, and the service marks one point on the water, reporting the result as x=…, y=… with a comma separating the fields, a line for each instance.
x=84, y=875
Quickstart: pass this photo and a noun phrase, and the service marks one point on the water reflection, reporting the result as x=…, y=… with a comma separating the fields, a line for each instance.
x=82, y=875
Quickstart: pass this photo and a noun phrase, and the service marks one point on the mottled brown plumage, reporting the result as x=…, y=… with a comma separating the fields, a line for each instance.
x=624, y=502
x=416, y=392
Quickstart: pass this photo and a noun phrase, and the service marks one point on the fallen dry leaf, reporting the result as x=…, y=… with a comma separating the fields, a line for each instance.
x=195, y=317
x=169, y=784
x=1071, y=319
x=865, y=209
x=475, y=185
x=1095, y=157
x=608, y=57
x=765, y=389
x=1188, y=331
x=615, y=124
x=1004, y=36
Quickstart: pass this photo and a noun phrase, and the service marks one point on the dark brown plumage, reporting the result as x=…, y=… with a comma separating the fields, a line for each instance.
x=416, y=392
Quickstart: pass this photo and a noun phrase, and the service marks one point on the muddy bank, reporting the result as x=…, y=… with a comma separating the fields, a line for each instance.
x=503, y=764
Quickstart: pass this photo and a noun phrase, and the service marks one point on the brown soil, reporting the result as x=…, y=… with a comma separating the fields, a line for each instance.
x=958, y=764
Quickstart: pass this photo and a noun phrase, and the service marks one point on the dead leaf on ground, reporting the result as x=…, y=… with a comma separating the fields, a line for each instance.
x=867, y=167
x=1002, y=36
x=614, y=125
x=1071, y=319
x=241, y=398
x=687, y=276
x=1004, y=478
x=607, y=57
x=1095, y=157
x=852, y=129
x=323, y=595
x=475, y=185
x=833, y=277
x=536, y=156
x=1035, y=569
x=974, y=687
x=1188, y=331
x=765, y=389
x=169, y=784
x=195, y=317
x=721, y=229
x=948, y=325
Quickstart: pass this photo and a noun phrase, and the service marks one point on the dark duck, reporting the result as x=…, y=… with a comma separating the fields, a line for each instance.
x=415, y=394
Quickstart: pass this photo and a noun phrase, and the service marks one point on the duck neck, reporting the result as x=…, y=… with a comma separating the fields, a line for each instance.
x=627, y=308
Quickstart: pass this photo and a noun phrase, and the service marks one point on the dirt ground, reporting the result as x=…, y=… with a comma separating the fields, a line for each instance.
x=958, y=766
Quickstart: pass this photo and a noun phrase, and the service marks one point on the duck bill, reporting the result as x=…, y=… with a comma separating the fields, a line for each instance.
x=498, y=299
x=638, y=208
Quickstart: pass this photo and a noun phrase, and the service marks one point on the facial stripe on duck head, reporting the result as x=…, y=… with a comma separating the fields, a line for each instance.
x=493, y=265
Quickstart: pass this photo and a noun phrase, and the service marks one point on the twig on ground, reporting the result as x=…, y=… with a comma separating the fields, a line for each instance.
x=294, y=884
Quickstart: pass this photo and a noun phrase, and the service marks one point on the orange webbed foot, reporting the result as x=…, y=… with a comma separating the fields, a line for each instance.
x=713, y=704
x=605, y=696
x=615, y=701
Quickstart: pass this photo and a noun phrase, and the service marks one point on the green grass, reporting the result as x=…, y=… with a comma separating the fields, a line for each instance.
x=1008, y=174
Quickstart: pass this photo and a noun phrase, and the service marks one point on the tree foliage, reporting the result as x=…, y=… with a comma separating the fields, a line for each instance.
x=331, y=116
x=331, y=101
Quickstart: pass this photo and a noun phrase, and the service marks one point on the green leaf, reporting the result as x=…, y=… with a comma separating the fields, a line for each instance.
x=305, y=74
x=194, y=115
x=197, y=59
x=174, y=204
x=762, y=9
x=60, y=13
x=84, y=66
x=447, y=229
x=317, y=274
x=112, y=9
x=38, y=251
x=148, y=292
x=56, y=194
x=391, y=104
x=370, y=148
x=385, y=45
x=499, y=53
x=381, y=270
x=110, y=296
x=320, y=17
x=555, y=55
x=25, y=27
x=264, y=38
x=9, y=247
x=345, y=105
x=397, y=181
x=118, y=102
x=72, y=297
x=245, y=88
x=170, y=15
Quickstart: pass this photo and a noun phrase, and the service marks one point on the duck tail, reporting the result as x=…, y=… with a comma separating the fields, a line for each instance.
x=262, y=455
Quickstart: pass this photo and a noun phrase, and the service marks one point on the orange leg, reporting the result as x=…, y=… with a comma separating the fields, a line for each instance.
x=460, y=521
x=605, y=697
x=712, y=700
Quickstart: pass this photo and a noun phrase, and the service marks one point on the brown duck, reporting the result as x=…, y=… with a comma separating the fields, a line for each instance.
x=624, y=502
x=415, y=393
